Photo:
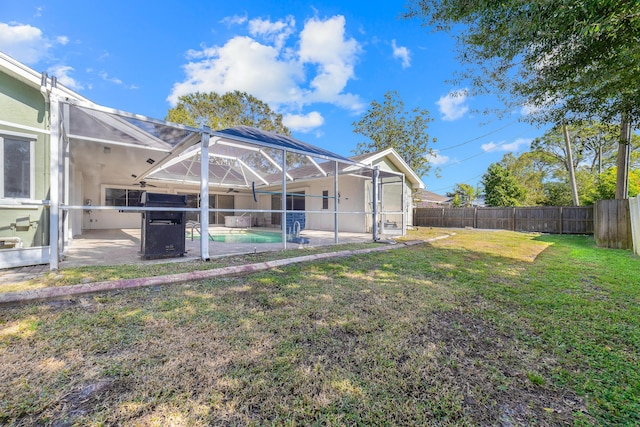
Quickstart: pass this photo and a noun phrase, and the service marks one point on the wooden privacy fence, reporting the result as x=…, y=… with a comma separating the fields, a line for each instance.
x=613, y=224
x=543, y=219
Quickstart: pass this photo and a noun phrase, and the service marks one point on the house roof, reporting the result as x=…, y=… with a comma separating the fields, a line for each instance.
x=274, y=140
x=429, y=196
x=395, y=158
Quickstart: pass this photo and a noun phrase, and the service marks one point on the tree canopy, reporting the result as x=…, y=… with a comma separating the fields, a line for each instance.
x=543, y=172
x=594, y=146
x=388, y=125
x=225, y=111
x=579, y=57
x=463, y=195
x=501, y=188
x=565, y=60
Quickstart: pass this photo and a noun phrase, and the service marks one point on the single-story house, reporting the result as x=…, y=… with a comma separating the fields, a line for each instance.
x=70, y=166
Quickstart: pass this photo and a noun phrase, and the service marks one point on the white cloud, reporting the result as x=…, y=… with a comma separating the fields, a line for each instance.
x=63, y=40
x=317, y=69
x=303, y=122
x=246, y=65
x=62, y=73
x=234, y=20
x=104, y=76
x=323, y=43
x=23, y=42
x=276, y=32
x=115, y=80
x=504, y=146
x=490, y=146
x=401, y=52
x=437, y=159
x=453, y=105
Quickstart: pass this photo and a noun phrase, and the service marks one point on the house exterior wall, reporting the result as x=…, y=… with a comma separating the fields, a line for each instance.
x=351, y=191
x=386, y=165
x=24, y=113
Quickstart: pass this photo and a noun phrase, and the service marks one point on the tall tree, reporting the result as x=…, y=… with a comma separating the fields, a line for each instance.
x=463, y=195
x=606, y=184
x=530, y=169
x=567, y=59
x=388, y=125
x=501, y=188
x=225, y=111
x=235, y=109
x=594, y=146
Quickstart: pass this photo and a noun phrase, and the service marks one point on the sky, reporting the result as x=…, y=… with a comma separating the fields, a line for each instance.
x=319, y=63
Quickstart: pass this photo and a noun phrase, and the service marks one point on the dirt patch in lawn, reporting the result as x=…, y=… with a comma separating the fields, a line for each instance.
x=494, y=373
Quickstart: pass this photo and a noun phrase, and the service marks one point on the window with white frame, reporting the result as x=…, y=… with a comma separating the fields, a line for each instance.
x=17, y=157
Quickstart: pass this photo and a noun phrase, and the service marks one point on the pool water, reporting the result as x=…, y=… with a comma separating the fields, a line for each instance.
x=246, y=237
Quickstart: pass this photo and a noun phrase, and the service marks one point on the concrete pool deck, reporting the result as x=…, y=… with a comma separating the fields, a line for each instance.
x=122, y=246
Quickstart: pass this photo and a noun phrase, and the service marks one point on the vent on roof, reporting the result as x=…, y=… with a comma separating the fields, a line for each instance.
x=150, y=161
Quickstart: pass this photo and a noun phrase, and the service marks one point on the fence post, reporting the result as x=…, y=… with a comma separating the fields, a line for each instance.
x=513, y=219
x=560, y=228
x=475, y=217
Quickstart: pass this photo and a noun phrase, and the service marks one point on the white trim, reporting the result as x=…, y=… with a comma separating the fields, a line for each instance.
x=23, y=135
x=397, y=161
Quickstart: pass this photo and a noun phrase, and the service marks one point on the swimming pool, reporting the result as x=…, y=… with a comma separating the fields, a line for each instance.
x=244, y=236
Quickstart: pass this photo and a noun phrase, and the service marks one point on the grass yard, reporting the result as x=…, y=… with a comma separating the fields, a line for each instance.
x=482, y=328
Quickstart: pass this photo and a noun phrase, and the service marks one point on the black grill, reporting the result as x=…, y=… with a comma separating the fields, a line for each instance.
x=163, y=232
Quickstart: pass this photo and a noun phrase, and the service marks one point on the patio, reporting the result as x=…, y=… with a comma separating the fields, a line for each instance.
x=122, y=246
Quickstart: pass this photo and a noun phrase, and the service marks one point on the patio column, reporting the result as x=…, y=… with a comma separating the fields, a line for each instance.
x=335, y=203
x=54, y=182
x=283, y=204
x=405, y=208
x=204, y=193
x=66, y=160
x=376, y=174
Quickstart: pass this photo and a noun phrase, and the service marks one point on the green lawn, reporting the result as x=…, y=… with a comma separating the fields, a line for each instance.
x=482, y=328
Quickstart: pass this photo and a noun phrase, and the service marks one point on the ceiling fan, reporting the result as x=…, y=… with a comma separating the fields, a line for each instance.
x=144, y=184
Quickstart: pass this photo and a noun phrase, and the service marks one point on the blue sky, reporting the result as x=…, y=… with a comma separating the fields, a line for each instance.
x=319, y=63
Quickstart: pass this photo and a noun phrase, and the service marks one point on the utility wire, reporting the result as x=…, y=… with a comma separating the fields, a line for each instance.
x=481, y=153
x=471, y=157
x=453, y=186
x=477, y=137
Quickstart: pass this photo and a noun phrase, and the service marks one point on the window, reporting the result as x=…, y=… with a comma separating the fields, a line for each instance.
x=325, y=199
x=17, y=180
x=122, y=197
